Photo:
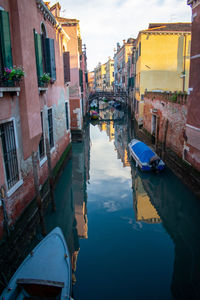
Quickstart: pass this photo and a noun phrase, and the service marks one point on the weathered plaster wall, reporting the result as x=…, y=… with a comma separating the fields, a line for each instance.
x=164, y=110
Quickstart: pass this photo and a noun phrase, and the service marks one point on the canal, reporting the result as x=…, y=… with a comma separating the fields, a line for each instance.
x=131, y=235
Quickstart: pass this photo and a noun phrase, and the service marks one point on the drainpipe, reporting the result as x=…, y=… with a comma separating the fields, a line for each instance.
x=184, y=60
x=5, y=215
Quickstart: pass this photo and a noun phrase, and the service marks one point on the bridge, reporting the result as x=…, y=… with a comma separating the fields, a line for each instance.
x=118, y=97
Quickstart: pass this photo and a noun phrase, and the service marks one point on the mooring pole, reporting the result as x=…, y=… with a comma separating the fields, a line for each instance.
x=165, y=139
x=50, y=175
x=37, y=191
x=5, y=215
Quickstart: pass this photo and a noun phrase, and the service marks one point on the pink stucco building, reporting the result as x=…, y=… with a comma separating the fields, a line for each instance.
x=78, y=70
x=34, y=115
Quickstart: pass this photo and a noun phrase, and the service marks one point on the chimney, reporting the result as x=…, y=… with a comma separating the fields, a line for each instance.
x=58, y=8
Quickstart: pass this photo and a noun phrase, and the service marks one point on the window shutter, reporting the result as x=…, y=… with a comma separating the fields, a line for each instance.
x=139, y=48
x=81, y=79
x=66, y=62
x=86, y=77
x=50, y=58
x=38, y=54
x=5, y=39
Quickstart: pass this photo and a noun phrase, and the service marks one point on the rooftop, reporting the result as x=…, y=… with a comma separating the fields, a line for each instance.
x=169, y=27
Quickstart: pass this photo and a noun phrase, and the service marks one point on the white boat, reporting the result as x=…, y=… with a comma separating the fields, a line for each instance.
x=145, y=157
x=45, y=273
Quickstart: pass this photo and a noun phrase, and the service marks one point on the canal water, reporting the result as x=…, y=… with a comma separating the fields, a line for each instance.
x=131, y=235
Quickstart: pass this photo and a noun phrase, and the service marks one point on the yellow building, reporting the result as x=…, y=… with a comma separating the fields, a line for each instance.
x=104, y=76
x=100, y=77
x=162, y=60
x=109, y=75
x=91, y=81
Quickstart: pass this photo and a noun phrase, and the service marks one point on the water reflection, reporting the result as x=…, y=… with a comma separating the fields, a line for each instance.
x=144, y=210
x=71, y=200
x=131, y=235
x=179, y=211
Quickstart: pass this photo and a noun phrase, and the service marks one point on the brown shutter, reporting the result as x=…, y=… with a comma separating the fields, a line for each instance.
x=66, y=62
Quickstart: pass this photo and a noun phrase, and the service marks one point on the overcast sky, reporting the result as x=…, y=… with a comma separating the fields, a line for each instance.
x=103, y=23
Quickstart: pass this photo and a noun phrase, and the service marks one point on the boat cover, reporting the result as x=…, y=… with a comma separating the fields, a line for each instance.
x=143, y=152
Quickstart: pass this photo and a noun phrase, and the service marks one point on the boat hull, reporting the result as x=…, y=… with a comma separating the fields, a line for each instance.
x=139, y=157
x=48, y=262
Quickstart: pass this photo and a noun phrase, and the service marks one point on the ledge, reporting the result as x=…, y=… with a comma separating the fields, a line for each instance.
x=42, y=90
x=9, y=90
x=46, y=12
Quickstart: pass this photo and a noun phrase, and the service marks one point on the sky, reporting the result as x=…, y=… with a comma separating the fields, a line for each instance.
x=104, y=23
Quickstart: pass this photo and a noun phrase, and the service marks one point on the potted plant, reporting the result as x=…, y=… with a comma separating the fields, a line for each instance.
x=44, y=79
x=13, y=75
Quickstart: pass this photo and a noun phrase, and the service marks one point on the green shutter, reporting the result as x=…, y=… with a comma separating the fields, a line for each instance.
x=38, y=54
x=132, y=81
x=5, y=39
x=50, y=58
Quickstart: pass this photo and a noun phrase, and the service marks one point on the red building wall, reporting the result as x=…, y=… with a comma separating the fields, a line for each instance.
x=192, y=143
x=164, y=109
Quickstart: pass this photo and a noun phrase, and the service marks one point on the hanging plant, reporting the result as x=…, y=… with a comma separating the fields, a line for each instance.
x=45, y=78
x=14, y=74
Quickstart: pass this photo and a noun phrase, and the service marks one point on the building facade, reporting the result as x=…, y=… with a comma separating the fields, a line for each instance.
x=192, y=130
x=121, y=64
x=91, y=82
x=109, y=75
x=104, y=76
x=78, y=65
x=162, y=61
x=34, y=113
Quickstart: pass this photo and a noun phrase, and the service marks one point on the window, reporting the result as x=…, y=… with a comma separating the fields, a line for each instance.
x=45, y=55
x=81, y=79
x=50, y=126
x=139, y=51
x=43, y=37
x=5, y=42
x=41, y=144
x=67, y=115
x=7, y=135
x=66, y=62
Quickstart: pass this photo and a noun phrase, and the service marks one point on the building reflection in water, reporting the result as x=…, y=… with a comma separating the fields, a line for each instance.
x=71, y=199
x=156, y=199
x=80, y=177
x=113, y=122
x=144, y=210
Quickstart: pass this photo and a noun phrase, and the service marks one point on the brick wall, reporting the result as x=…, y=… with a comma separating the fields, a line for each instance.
x=171, y=112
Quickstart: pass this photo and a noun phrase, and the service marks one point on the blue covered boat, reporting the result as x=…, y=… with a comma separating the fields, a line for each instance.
x=45, y=273
x=145, y=157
